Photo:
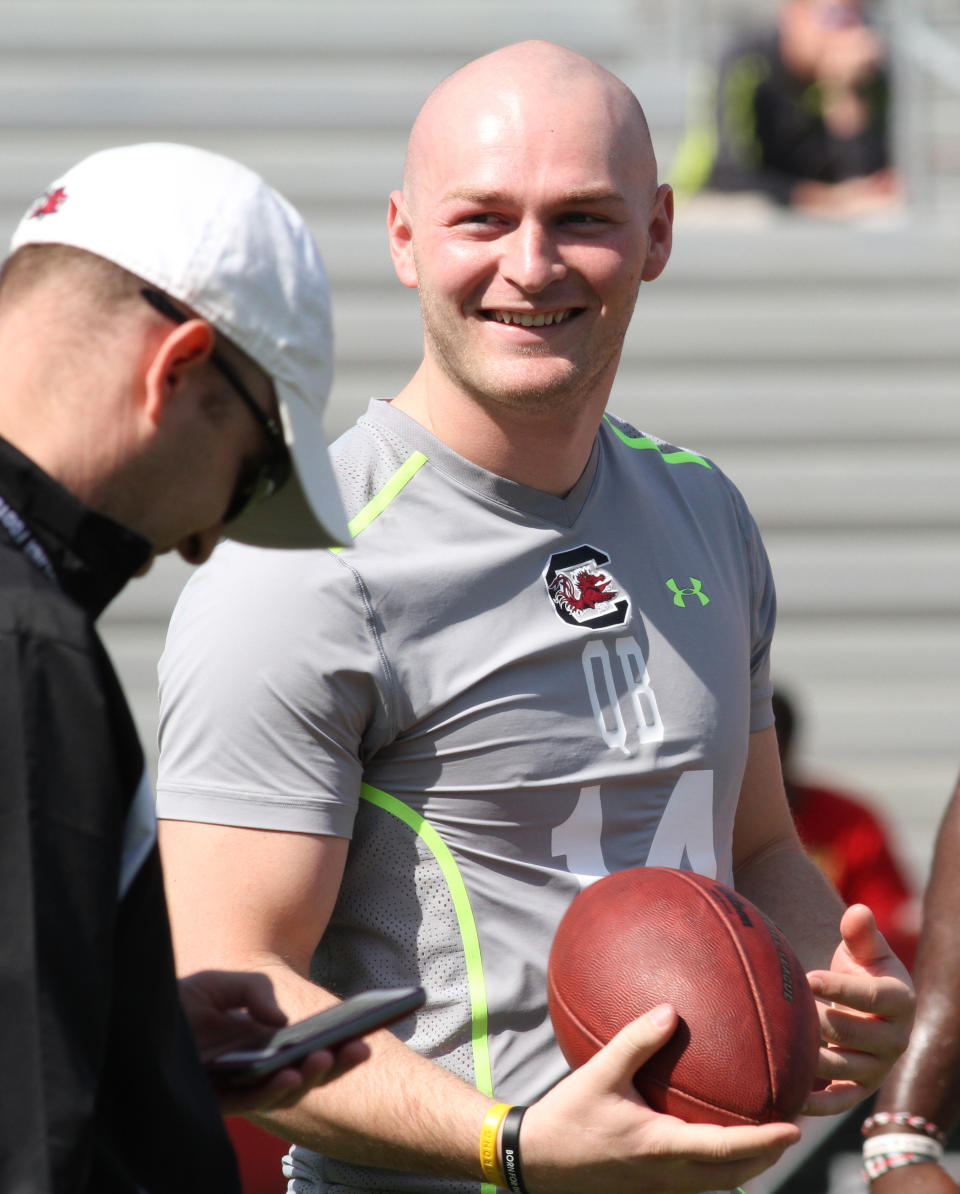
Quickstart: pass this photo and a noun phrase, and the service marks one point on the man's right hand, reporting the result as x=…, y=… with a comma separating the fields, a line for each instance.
x=593, y=1131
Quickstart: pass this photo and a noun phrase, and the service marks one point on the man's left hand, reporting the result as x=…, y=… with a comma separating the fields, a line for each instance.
x=866, y=1005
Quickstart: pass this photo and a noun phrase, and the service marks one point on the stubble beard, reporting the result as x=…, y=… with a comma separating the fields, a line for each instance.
x=569, y=387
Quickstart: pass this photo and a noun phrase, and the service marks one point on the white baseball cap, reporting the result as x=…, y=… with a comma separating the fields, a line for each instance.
x=213, y=235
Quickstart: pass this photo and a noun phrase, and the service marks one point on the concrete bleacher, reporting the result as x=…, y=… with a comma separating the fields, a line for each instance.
x=819, y=365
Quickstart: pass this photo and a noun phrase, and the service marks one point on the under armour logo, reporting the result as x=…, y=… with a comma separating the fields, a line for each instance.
x=695, y=590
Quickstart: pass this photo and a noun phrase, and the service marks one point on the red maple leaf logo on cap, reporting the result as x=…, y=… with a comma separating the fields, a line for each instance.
x=50, y=203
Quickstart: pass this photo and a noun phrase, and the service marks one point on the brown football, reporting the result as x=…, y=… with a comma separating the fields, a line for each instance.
x=745, y=1050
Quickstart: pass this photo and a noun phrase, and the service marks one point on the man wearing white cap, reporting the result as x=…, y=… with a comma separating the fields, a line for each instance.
x=165, y=345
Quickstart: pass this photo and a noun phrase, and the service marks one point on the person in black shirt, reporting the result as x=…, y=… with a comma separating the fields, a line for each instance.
x=164, y=365
x=801, y=115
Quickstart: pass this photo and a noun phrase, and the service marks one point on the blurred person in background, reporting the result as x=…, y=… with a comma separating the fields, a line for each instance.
x=848, y=841
x=800, y=116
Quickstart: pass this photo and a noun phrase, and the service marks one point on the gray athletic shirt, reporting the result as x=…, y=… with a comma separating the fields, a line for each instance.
x=498, y=695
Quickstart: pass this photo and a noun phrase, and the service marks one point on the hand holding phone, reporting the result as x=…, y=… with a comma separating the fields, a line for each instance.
x=354, y=1017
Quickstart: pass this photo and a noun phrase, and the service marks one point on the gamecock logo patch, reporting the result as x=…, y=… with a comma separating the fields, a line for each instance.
x=583, y=590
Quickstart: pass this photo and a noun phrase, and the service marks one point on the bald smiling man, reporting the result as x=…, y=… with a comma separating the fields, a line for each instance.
x=544, y=658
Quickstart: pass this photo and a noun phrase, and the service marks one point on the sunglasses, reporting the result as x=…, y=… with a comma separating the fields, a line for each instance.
x=256, y=481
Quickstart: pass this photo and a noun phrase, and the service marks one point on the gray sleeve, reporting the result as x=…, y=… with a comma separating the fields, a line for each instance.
x=763, y=616
x=268, y=686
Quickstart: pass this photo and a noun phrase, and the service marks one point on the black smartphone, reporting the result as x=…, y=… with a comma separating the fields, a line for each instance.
x=357, y=1015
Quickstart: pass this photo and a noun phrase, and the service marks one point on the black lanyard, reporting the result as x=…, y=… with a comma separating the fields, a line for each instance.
x=23, y=538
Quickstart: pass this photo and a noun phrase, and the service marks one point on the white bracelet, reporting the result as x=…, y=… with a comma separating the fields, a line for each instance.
x=895, y=1150
x=894, y=1144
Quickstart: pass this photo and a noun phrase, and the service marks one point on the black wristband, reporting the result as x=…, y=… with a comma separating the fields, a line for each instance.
x=510, y=1150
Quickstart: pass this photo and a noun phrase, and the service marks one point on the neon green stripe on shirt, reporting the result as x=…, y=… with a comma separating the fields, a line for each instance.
x=469, y=937
x=644, y=441
x=377, y=504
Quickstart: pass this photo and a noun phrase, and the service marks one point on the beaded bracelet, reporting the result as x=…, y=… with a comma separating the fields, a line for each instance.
x=510, y=1150
x=904, y=1119
x=878, y=1166
x=488, y=1142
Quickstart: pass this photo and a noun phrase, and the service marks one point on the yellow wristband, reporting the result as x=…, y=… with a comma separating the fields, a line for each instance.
x=488, y=1143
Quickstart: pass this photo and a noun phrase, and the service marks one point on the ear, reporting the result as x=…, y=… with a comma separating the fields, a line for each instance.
x=660, y=234
x=400, y=230
x=170, y=362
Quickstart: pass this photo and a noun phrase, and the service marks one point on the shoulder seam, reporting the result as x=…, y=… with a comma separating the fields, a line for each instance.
x=389, y=683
